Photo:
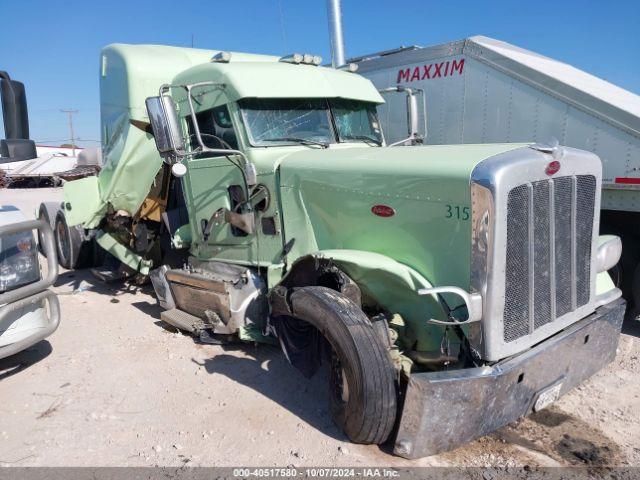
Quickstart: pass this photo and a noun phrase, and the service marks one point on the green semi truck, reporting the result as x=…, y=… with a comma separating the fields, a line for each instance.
x=449, y=290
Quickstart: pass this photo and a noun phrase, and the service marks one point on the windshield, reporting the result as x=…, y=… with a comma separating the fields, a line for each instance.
x=356, y=121
x=309, y=121
x=270, y=121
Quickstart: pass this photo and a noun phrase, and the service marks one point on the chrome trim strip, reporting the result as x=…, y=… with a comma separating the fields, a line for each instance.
x=574, y=207
x=552, y=250
x=530, y=253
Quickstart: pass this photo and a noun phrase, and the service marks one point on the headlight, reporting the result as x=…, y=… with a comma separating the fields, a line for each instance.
x=18, y=261
x=609, y=251
x=481, y=235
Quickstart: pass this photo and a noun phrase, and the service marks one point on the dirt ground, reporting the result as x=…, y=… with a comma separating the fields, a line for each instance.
x=115, y=386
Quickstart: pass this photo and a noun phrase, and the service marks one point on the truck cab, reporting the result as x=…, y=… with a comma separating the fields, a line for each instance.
x=442, y=285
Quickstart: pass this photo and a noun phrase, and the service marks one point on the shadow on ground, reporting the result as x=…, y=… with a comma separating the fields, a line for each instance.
x=22, y=360
x=78, y=281
x=265, y=370
x=153, y=310
x=631, y=326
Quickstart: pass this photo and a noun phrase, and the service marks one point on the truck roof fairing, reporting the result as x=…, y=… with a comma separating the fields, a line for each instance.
x=278, y=80
x=131, y=73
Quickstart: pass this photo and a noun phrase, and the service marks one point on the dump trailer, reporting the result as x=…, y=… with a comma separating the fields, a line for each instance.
x=449, y=290
x=481, y=90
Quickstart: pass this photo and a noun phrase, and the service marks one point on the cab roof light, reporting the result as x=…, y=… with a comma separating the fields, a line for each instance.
x=349, y=67
x=293, y=58
x=221, y=57
x=307, y=59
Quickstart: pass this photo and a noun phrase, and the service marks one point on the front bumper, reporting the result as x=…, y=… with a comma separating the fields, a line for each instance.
x=443, y=410
x=23, y=310
x=23, y=336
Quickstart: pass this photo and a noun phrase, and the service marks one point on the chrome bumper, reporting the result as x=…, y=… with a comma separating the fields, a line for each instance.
x=52, y=324
x=443, y=410
x=37, y=292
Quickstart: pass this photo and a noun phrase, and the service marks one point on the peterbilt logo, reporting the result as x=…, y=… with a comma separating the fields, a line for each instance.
x=383, y=211
x=552, y=167
x=431, y=71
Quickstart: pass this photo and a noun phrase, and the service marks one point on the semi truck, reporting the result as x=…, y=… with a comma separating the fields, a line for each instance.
x=481, y=90
x=448, y=289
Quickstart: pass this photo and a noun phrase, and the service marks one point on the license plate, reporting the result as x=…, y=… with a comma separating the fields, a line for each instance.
x=547, y=397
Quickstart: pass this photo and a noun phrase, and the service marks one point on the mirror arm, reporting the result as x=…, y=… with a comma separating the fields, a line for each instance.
x=194, y=120
x=412, y=112
x=248, y=170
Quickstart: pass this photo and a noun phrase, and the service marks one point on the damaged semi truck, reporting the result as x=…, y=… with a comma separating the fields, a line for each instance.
x=449, y=290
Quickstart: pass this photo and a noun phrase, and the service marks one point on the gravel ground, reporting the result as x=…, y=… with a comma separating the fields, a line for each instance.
x=115, y=386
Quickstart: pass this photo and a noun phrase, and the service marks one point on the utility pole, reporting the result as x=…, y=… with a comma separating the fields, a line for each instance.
x=70, y=113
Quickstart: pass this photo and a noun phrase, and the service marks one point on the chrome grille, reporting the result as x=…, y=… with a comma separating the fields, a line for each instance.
x=548, y=264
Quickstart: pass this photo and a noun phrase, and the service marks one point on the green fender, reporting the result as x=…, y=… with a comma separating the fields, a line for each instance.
x=394, y=286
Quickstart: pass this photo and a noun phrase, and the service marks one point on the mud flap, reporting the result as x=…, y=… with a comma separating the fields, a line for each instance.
x=443, y=410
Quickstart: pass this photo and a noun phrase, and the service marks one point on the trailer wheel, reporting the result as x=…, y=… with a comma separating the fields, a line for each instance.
x=362, y=382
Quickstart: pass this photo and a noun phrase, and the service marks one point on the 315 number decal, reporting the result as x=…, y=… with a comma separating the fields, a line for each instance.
x=457, y=212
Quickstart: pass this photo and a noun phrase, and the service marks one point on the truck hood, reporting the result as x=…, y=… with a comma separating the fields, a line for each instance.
x=328, y=199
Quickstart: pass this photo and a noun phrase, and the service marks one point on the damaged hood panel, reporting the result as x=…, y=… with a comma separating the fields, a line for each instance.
x=410, y=204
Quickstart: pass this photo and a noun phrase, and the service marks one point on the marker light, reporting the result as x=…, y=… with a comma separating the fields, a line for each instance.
x=306, y=59
x=221, y=57
x=293, y=58
x=349, y=67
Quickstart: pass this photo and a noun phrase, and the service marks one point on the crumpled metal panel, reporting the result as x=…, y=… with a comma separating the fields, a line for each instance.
x=443, y=410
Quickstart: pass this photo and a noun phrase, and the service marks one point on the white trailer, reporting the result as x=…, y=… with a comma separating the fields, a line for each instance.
x=481, y=90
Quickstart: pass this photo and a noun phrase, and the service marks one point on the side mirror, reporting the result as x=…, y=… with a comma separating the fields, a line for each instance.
x=413, y=114
x=14, y=108
x=413, y=118
x=165, y=125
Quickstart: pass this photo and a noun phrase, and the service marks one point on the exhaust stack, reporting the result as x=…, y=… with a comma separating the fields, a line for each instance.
x=334, y=15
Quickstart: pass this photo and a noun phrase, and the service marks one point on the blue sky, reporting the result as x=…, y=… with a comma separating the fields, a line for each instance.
x=53, y=46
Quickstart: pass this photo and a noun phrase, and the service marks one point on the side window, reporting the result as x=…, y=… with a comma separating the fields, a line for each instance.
x=216, y=128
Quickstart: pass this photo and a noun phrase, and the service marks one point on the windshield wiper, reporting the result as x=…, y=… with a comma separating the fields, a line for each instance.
x=364, y=138
x=302, y=141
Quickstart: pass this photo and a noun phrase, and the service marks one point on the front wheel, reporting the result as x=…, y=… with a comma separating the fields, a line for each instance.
x=362, y=379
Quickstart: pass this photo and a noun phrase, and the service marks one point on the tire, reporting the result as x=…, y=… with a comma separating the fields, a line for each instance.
x=69, y=243
x=47, y=212
x=359, y=363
